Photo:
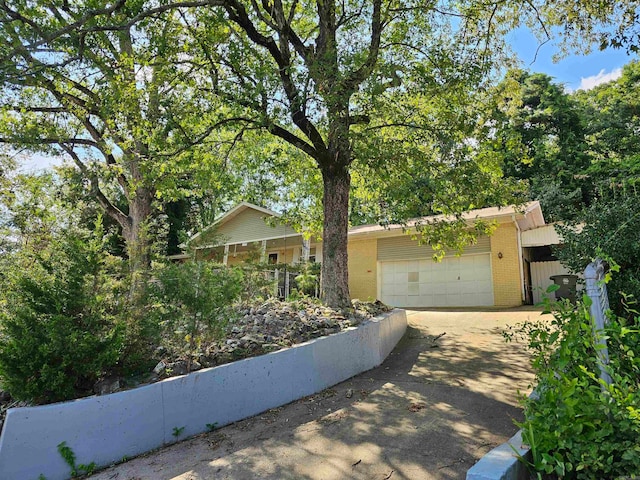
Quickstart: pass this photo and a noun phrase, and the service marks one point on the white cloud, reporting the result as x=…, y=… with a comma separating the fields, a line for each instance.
x=587, y=83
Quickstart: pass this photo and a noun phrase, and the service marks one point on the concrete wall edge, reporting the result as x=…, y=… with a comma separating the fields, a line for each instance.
x=104, y=429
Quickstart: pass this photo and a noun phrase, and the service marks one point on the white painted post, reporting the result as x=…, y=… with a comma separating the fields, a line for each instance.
x=306, y=249
x=277, y=277
x=597, y=291
x=263, y=255
x=225, y=259
x=286, y=284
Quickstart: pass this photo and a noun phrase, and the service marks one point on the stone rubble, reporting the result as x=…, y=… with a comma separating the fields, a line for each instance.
x=271, y=326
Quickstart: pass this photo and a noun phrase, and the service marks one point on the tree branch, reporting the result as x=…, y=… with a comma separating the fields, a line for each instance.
x=53, y=141
x=90, y=15
x=293, y=140
x=239, y=16
x=114, y=212
x=356, y=77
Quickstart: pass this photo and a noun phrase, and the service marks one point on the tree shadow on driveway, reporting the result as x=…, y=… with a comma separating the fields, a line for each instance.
x=431, y=410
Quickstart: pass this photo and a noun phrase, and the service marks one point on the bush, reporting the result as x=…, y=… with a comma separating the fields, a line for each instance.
x=58, y=328
x=192, y=303
x=307, y=280
x=609, y=226
x=579, y=427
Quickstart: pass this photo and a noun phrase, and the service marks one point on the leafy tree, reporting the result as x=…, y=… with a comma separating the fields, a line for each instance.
x=611, y=113
x=581, y=24
x=304, y=72
x=610, y=223
x=539, y=133
x=119, y=103
x=608, y=227
x=193, y=302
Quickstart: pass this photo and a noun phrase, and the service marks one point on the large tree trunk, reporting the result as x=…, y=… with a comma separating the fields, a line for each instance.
x=136, y=235
x=335, y=275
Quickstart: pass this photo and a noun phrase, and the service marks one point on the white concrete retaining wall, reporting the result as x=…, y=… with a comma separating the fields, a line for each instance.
x=503, y=463
x=107, y=428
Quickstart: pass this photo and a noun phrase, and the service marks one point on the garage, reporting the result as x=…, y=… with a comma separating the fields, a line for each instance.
x=419, y=281
x=454, y=282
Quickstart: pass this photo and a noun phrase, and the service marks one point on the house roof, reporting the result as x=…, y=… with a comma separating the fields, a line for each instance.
x=528, y=216
x=235, y=211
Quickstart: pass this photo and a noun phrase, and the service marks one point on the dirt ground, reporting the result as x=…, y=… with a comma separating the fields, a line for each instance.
x=430, y=411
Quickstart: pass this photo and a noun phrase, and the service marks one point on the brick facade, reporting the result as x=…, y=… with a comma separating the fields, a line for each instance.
x=363, y=274
x=507, y=290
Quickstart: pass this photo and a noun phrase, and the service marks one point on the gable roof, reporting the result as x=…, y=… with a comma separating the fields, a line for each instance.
x=230, y=214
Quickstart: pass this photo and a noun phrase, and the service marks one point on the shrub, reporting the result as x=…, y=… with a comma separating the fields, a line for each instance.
x=307, y=280
x=192, y=303
x=59, y=332
x=609, y=226
x=579, y=427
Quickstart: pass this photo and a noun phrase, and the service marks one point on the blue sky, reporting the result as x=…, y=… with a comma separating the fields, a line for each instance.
x=574, y=71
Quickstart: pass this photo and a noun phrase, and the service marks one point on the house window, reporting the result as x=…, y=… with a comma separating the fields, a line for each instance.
x=312, y=254
x=273, y=259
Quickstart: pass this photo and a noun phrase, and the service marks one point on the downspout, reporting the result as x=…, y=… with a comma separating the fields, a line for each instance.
x=520, y=259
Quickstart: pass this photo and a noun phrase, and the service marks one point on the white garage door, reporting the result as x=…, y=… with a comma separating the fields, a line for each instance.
x=454, y=282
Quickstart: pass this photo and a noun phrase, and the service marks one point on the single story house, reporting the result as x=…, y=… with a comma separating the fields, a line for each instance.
x=386, y=263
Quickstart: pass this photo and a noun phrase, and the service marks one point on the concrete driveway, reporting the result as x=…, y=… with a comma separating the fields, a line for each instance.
x=429, y=412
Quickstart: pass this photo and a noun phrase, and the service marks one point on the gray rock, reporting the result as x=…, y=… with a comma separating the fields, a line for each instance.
x=160, y=368
x=107, y=385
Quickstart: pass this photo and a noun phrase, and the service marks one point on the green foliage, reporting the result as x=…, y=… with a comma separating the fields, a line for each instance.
x=576, y=425
x=120, y=107
x=191, y=302
x=58, y=318
x=307, y=280
x=177, y=431
x=212, y=426
x=69, y=457
x=539, y=134
x=609, y=225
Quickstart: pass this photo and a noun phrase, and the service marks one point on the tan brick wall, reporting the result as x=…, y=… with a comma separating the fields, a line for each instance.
x=363, y=274
x=507, y=291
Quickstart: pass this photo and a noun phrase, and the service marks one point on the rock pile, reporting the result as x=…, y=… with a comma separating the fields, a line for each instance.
x=271, y=326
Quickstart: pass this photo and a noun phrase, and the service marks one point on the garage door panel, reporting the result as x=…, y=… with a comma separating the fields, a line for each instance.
x=387, y=268
x=454, y=282
x=484, y=287
x=439, y=289
x=468, y=286
x=425, y=266
x=401, y=266
x=481, y=260
x=425, y=289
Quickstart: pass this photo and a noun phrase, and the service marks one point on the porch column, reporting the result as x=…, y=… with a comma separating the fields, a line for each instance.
x=226, y=255
x=263, y=255
x=306, y=249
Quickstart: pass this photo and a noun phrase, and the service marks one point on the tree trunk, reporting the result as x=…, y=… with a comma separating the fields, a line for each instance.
x=136, y=235
x=335, y=274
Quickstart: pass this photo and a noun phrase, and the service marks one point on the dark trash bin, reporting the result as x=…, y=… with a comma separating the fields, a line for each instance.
x=567, y=286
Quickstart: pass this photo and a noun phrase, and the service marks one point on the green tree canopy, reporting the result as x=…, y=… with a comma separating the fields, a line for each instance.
x=120, y=103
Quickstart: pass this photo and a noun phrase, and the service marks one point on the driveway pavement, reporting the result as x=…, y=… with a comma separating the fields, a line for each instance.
x=430, y=411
